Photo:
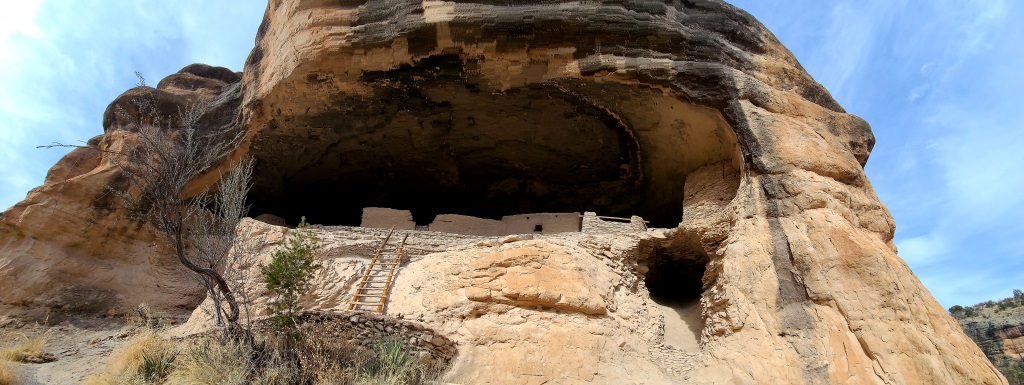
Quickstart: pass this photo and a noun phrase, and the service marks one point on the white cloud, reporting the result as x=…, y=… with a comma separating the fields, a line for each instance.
x=923, y=250
x=919, y=91
x=19, y=18
x=972, y=119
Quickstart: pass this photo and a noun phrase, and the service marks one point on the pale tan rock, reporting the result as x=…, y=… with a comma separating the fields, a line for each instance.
x=69, y=246
x=689, y=111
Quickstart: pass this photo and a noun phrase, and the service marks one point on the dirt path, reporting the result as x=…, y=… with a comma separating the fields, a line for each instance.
x=81, y=345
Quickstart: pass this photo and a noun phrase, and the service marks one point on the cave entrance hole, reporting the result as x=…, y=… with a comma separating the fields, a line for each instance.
x=673, y=272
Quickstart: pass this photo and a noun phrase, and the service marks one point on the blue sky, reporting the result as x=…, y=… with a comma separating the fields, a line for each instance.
x=62, y=62
x=940, y=82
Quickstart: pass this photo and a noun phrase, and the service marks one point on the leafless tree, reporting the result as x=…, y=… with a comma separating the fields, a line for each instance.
x=201, y=229
x=240, y=269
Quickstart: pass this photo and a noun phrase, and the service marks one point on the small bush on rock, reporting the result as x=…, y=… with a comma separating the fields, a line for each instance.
x=289, y=274
x=391, y=364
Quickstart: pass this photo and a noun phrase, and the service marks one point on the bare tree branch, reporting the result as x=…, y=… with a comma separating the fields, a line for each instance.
x=201, y=229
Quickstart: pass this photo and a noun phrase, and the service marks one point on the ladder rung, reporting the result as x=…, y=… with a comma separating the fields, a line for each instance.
x=366, y=303
x=373, y=275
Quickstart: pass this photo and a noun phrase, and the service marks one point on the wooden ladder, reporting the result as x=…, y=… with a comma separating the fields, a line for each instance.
x=374, y=283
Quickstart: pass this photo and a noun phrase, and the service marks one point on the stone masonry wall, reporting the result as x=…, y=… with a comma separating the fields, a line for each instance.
x=593, y=224
x=537, y=223
x=366, y=329
x=384, y=218
x=549, y=223
x=464, y=224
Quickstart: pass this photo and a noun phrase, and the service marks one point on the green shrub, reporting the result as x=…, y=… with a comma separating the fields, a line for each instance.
x=1014, y=373
x=289, y=274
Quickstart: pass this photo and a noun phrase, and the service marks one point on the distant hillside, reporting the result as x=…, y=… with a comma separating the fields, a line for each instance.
x=996, y=327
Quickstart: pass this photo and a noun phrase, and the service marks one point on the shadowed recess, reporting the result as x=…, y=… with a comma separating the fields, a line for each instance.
x=432, y=139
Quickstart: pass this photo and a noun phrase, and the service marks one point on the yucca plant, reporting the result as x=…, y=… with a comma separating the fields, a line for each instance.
x=391, y=364
x=157, y=365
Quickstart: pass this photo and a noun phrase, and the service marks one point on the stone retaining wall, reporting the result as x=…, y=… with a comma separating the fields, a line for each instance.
x=365, y=329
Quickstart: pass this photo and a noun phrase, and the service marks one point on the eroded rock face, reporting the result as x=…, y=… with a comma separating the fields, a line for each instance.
x=555, y=308
x=68, y=245
x=689, y=113
x=806, y=267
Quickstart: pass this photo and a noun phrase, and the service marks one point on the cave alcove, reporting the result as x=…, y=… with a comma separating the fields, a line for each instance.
x=431, y=138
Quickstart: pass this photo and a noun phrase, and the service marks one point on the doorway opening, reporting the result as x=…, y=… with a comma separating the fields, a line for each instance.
x=673, y=273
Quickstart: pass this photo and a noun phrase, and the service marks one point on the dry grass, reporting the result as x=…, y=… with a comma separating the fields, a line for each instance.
x=208, y=361
x=7, y=376
x=145, y=342
x=23, y=347
x=134, y=362
x=313, y=356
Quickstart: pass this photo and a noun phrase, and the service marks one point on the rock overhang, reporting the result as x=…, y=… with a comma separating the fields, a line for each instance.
x=435, y=138
x=418, y=106
x=801, y=282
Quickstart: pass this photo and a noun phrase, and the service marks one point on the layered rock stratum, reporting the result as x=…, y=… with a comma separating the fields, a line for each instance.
x=996, y=328
x=690, y=114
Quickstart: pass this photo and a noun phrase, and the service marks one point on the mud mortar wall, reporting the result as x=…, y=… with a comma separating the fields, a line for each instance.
x=538, y=223
x=593, y=224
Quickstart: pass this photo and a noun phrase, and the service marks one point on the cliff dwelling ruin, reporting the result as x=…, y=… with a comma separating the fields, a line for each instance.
x=768, y=257
x=429, y=140
x=436, y=146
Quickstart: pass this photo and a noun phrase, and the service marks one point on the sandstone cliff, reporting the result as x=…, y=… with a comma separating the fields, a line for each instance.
x=996, y=328
x=690, y=114
x=68, y=246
